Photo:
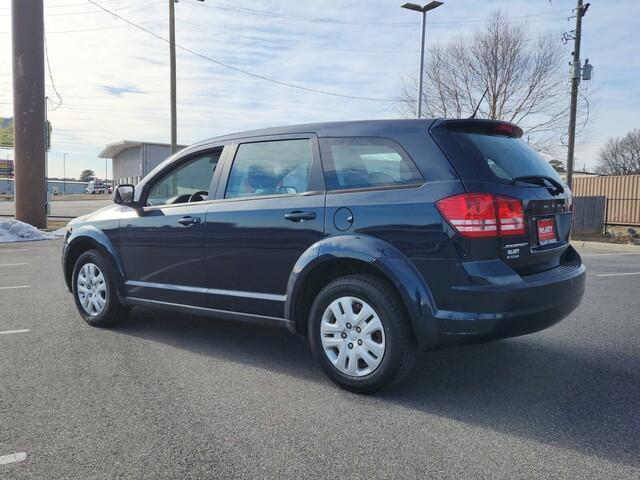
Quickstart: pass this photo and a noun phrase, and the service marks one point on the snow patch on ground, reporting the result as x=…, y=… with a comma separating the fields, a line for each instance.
x=12, y=230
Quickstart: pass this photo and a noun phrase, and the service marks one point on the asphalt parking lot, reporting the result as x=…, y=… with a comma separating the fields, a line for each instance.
x=171, y=396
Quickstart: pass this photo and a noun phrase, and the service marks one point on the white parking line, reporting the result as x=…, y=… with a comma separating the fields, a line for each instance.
x=608, y=254
x=15, y=286
x=3, y=250
x=616, y=274
x=13, y=458
x=13, y=264
x=10, y=332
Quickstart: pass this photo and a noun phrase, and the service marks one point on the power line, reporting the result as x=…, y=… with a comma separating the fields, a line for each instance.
x=95, y=29
x=53, y=85
x=293, y=43
x=61, y=5
x=240, y=70
x=337, y=21
x=90, y=12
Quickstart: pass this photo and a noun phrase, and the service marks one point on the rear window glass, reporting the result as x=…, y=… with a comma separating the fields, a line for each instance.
x=270, y=168
x=366, y=162
x=483, y=156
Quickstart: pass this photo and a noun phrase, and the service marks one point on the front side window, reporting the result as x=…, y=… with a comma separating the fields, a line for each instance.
x=365, y=163
x=270, y=168
x=188, y=183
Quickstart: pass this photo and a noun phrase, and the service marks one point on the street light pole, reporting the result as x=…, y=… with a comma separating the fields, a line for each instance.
x=64, y=173
x=423, y=10
x=423, y=34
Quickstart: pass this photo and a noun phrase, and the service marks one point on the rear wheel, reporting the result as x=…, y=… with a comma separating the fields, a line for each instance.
x=94, y=290
x=360, y=335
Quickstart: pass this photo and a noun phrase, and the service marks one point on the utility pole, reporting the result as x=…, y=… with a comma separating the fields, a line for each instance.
x=27, y=17
x=422, y=9
x=576, y=71
x=172, y=62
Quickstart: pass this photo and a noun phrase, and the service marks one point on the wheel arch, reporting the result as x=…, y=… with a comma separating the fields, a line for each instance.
x=338, y=256
x=90, y=238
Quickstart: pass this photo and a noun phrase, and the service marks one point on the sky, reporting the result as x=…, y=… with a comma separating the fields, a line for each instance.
x=109, y=80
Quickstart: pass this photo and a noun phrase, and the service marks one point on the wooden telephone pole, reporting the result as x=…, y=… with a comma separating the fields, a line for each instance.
x=29, y=111
x=576, y=70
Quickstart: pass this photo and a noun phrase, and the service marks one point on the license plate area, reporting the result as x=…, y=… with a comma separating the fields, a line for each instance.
x=546, y=231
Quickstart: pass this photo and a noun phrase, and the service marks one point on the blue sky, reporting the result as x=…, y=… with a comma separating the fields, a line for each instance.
x=114, y=79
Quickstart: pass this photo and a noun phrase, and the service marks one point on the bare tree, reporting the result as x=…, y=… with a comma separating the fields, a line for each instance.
x=524, y=79
x=621, y=156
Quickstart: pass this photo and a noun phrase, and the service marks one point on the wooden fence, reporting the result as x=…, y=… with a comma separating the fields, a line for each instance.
x=589, y=214
x=622, y=192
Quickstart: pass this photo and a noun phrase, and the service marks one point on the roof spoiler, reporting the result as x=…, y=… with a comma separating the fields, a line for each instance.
x=487, y=127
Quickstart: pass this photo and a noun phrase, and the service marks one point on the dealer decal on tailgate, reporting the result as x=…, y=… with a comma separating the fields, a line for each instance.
x=546, y=231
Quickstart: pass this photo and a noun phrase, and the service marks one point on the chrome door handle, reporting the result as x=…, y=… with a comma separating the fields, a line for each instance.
x=187, y=221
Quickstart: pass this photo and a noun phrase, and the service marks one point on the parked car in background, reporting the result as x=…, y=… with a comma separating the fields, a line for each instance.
x=95, y=187
x=373, y=239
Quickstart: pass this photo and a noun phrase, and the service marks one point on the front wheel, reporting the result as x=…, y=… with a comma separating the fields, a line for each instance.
x=94, y=290
x=360, y=334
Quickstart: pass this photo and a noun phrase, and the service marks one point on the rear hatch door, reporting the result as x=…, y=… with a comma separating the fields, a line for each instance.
x=490, y=157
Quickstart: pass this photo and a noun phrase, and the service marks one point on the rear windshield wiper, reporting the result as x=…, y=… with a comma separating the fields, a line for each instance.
x=539, y=180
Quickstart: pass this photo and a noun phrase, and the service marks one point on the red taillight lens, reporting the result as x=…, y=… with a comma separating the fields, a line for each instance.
x=510, y=216
x=471, y=214
x=483, y=215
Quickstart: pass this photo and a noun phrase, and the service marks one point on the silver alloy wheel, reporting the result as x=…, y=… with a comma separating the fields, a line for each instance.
x=352, y=336
x=91, y=289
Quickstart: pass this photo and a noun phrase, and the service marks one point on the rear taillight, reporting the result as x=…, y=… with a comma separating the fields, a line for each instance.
x=483, y=215
x=510, y=216
x=471, y=214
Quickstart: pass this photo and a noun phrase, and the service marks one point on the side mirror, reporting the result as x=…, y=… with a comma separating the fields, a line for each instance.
x=123, y=194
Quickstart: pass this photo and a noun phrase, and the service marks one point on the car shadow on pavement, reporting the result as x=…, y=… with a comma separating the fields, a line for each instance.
x=529, y=387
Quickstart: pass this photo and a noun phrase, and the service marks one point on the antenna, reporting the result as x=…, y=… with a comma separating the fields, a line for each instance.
x=479, y=103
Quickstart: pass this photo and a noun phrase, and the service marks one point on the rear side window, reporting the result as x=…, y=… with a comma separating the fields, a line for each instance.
x=479, y=155
x=270, y=168
x=366, y=162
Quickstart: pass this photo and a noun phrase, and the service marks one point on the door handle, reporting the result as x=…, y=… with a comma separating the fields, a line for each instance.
x=187, y=221
x=298, y=216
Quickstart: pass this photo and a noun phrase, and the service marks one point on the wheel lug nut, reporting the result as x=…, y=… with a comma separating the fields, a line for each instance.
x=359, y=342
x=350, y=345
x=358, y=329
x=343, y=335
x=348, y=325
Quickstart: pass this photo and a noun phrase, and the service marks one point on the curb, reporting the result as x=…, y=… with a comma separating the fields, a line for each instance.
x=615, y=247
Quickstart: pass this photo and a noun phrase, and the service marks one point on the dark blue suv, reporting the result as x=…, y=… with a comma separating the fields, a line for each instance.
x=371, y=238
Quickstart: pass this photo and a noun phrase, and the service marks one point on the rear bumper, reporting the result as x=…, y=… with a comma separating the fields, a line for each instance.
x=529, y=305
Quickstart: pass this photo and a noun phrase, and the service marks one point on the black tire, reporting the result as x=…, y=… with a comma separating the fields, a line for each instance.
x=113, y=310
x=400, y=350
